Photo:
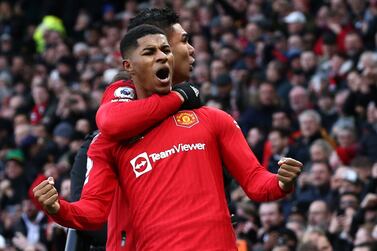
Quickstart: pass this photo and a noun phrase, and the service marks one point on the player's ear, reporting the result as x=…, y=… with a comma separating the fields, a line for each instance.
x=127, y=65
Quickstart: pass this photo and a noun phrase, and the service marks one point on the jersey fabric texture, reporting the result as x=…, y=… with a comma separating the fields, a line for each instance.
x=171, y=183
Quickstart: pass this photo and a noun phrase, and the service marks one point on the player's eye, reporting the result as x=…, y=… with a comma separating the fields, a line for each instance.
x=148, y=52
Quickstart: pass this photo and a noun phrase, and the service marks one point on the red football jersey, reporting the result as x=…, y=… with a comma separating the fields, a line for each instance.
x=172, y=184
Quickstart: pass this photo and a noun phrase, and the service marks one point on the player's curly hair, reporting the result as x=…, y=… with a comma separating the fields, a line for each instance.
x=129, y=41
x=162, y=18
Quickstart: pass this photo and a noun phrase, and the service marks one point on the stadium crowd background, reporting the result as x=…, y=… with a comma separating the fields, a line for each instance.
x=299, y=76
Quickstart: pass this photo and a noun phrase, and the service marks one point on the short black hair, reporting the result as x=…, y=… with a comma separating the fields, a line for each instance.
x=284, y=133
x=162, y=18
x=129, y=41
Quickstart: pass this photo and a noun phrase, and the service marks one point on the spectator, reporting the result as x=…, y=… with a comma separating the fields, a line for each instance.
x=31, y=226
x=270, y=216
x=15, y=184
x=310, y=128
x=318, y=186
x=279, y=141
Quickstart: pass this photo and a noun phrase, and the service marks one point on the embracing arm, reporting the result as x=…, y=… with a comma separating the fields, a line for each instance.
x=124, y=120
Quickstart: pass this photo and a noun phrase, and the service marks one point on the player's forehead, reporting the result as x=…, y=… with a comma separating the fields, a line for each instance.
x=152, y=40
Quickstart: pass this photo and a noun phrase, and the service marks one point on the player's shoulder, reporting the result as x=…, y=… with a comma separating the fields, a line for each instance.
x=121, y=90
x=212, y=112
x=101, y=145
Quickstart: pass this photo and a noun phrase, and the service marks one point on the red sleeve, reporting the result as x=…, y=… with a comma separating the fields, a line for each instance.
x=259, y=184
x=93, y=208
x=124, y=120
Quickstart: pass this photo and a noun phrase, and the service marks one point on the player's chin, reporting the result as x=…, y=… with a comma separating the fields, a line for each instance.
x=163, y=90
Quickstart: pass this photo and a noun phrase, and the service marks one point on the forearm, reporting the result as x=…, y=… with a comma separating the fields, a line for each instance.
x=81, y=215
x=124, y=120
x=256, y=181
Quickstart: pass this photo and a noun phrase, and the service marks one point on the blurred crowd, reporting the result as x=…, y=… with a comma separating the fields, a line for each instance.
x=299, y=76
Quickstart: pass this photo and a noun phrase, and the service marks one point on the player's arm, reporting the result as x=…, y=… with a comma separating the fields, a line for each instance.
x=257, y=182
x=123, y=120
x=91, y=211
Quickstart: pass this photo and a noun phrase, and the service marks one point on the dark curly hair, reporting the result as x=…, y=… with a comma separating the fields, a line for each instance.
x=162, y=18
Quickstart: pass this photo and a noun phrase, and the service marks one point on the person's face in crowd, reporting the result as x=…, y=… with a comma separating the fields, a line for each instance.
x=254, y=12
x=83, y=125
x=298, y=99
x=368, y=65
x=308, y=126
x=319, y=174
x=349, y=200
x=269, y=215
x=280, y=120
x=325, y=103
x=18, y=64
x=318, y=153
x=318, y=214
x=40, y=95
x=322, y=17
x=353, y=44
x=340, y=99
x=183, y=53
x=228, y=55
x=151, y=65
x=295, y=42
x=113, y=35
x=267, y=95
x=272, y=72
x=354, y=81
x=20, y=132
x=252, y=32
x=20, y=119
x=278, y=143
x=200, y=43
x=336, y=62
x=65, y=189
x=323, y=244
x=217, y=68
x=29, y=209
x=254, y=136
x=228, y=38
x=13, y=169
x=308, y=61
x=345, y=137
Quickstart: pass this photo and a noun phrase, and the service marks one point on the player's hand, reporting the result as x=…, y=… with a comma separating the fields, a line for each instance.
x=190, y=95
x=288, y=172
x=47, y=196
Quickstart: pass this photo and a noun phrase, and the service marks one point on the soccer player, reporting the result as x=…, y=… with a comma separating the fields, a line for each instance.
x=151, y=110
x=172, y=176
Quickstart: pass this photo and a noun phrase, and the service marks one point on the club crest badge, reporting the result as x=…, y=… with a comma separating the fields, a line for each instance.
x=186, y=119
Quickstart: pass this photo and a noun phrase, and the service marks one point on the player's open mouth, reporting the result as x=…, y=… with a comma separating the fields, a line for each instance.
x=163, y=74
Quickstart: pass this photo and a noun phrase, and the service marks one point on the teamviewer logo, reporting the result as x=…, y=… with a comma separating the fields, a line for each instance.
x=141, y=164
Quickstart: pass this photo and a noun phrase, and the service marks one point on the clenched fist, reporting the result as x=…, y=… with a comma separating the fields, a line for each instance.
x=47, y=196
x=288, y=172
